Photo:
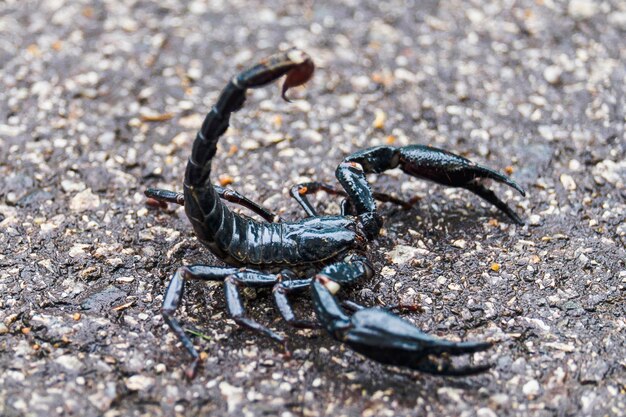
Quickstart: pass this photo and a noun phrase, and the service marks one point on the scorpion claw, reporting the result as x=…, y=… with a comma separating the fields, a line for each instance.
x=389, y=339
x=420, y=161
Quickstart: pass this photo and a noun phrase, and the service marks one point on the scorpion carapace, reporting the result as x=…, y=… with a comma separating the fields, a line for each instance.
x=318, y=254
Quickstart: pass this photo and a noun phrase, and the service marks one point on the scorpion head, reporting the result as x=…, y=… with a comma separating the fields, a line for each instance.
x=317, y=245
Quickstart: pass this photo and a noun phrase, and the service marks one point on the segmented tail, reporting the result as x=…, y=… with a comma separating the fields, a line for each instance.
x=215, y=225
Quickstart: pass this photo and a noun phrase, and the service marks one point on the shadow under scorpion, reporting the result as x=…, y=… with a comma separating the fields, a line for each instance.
x=318, y=254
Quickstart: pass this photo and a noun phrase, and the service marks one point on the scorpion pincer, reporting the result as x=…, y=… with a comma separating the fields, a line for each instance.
x=318, y=254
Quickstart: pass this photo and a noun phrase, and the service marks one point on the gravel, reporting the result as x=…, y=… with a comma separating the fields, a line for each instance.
x=100, y=100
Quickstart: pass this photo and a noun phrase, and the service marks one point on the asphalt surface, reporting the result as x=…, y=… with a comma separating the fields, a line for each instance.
x=100, y=100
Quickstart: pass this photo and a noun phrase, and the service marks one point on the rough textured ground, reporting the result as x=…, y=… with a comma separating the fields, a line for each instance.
x=99, y=100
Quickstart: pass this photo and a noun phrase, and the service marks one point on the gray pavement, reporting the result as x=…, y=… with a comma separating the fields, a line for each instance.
x=100, y=100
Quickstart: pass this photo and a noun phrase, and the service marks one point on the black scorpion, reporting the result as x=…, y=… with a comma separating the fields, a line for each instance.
x=318, y=253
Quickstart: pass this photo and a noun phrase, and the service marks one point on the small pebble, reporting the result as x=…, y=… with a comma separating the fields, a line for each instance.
x=348, y=101
x=232, y=394
x=568, y=182
x=582, y=9
x=485, y=412
x=250, y=145
x=574, y=165
x=459, y=243
x=401, y=254
x=379, y=119
x=552, y=74
x=387, y=272
x=546, y=132
x=77, y=250
x=225, y=179
x=531, y=388
x=69, y=362
x=84, y=201
x=139, y=383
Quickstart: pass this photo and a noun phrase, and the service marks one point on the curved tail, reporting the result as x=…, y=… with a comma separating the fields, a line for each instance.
x=294, y=63
x=214, y=223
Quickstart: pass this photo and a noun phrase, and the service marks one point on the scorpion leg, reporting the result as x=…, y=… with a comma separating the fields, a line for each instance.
x=251, y=279
x=300, y=191
x=162, y=197
x=419, y=161
x=159, y=197
x=388, y=339
x=281, y=292
x=233, y=279
x=173, y=297
x=237, y=198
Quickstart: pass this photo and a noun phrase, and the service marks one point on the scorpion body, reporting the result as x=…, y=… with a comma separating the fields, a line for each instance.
x=318, y=253
x=240, y=240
